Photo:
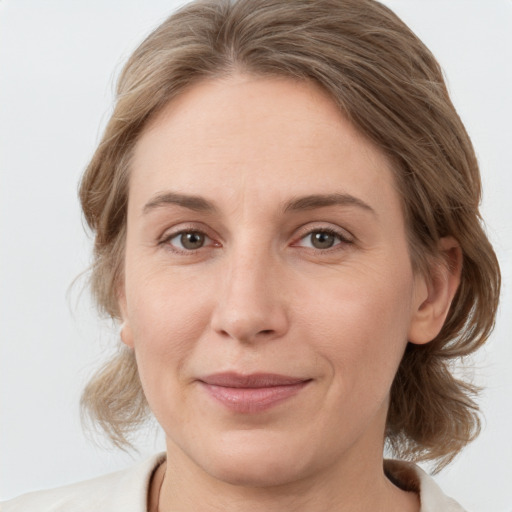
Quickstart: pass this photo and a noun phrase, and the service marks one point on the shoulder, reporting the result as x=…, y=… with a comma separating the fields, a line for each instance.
x=123, y=490
x=411, y=477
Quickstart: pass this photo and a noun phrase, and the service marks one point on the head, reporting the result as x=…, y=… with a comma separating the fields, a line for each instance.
x=395, y=109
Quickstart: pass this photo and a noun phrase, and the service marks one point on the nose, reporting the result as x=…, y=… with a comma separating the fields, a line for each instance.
x=252, y=303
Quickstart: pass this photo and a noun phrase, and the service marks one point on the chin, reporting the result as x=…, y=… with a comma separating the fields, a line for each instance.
x=265, y=472
x=252, y=461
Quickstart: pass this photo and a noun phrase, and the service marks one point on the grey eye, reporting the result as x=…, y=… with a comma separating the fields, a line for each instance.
x=191, y=240
x=322, y=239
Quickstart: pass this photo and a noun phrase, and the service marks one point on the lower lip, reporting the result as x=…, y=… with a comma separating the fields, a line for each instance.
x=253, y=400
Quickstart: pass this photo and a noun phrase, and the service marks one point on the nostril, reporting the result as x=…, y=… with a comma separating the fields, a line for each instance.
x=266, y=331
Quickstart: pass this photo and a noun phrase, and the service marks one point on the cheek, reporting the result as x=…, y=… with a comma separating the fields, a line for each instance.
x=360, y=325
x=165, y=307
x=167, y=315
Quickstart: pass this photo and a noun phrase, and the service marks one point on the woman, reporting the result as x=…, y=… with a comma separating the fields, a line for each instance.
x=285, y=205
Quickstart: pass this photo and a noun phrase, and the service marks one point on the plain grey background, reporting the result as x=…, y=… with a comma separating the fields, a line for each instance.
x=58, y=63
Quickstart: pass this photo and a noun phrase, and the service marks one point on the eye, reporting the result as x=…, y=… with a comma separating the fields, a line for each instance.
x=188, y=240
x=323, y=239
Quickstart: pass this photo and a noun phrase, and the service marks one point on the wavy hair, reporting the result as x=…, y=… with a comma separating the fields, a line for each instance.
x=391, y=88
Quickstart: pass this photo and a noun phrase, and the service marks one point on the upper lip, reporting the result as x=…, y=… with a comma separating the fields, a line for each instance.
x=253, y=380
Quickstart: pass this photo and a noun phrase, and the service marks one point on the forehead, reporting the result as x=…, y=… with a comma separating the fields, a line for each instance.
x=268, y=136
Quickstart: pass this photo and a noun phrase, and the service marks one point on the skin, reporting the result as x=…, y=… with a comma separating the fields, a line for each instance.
x=260, y=296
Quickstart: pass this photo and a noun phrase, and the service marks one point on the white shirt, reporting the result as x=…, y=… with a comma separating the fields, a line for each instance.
x=127, y=491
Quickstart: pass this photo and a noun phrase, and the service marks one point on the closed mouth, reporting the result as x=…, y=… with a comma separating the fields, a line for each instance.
x=252, y=393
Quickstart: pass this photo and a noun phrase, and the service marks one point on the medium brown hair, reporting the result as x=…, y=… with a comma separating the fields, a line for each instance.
x=388, y=84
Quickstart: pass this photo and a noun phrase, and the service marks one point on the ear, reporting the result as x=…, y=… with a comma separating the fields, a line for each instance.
x=434, y=293
x=126, y=335
x=125, y=330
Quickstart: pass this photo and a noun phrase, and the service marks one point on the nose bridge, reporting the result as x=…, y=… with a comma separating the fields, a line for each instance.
x=252, y=303
x=249, y=277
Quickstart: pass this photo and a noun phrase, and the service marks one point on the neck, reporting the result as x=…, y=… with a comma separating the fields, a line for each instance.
x=358, y=485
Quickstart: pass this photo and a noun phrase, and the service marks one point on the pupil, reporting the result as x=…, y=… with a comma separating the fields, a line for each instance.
x=192, y=240
x=322, y=240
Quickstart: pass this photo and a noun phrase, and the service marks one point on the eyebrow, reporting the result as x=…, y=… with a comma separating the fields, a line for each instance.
x=323, y=200
x=311, y=202
x=195, y=203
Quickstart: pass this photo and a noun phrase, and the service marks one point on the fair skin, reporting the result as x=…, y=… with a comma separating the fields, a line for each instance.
x=265, y=235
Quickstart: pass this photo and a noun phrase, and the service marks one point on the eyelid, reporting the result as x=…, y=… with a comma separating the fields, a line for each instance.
x=344, y=238
x=170, y=233
x=343, y=234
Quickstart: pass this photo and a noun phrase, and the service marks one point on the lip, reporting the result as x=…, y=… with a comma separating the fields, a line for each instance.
x=251, y=393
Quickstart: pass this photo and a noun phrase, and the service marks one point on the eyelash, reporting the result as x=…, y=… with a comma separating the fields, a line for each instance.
x=341, y=239
x=166, y=240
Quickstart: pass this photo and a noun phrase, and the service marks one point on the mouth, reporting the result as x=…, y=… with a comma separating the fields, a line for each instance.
x=251, y=393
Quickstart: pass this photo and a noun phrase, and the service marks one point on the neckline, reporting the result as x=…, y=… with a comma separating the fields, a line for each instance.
x=403, y=475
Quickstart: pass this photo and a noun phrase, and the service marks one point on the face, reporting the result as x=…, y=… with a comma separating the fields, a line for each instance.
x=268, y=290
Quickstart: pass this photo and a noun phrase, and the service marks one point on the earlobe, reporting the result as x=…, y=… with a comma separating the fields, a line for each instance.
x=435, y=293
x=125, y=333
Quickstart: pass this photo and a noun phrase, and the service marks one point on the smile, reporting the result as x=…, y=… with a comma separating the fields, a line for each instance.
x=252, y=393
